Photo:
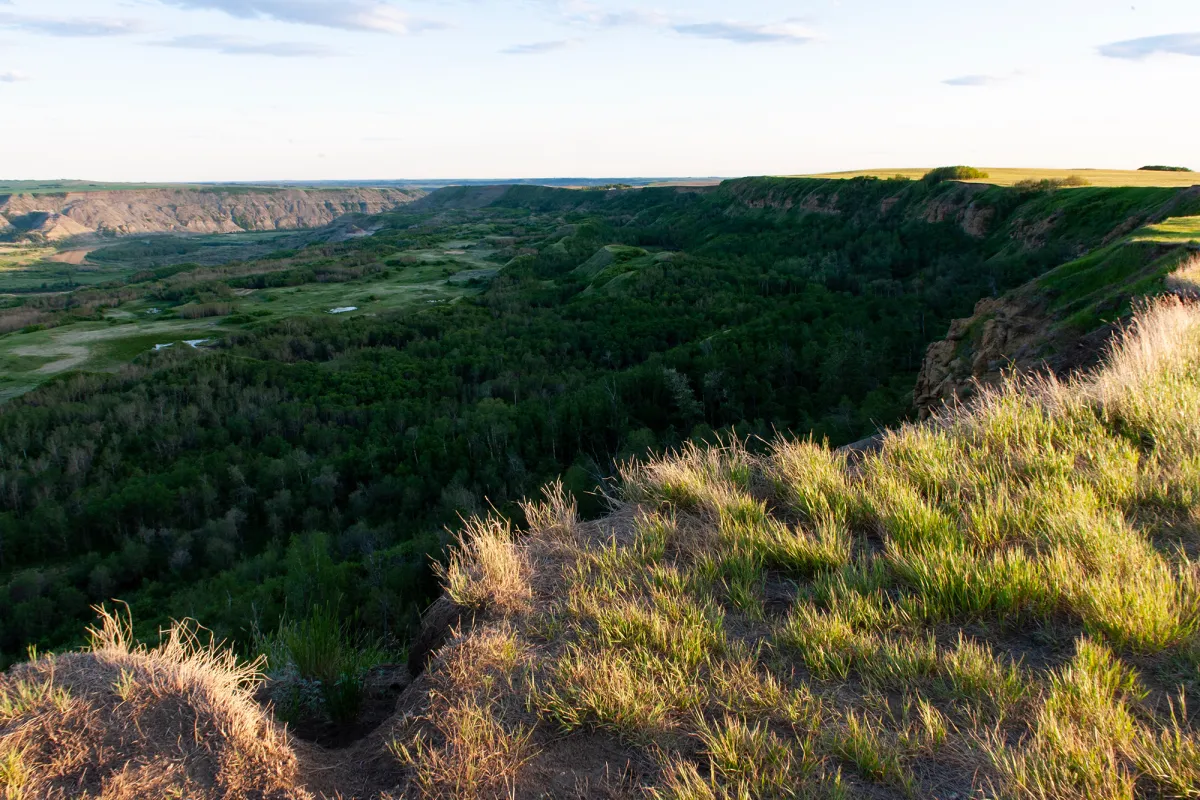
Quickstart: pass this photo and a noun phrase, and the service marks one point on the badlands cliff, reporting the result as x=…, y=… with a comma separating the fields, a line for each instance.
x=219, y=210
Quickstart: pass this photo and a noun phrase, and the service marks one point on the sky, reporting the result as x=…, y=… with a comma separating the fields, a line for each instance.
x=214, y=90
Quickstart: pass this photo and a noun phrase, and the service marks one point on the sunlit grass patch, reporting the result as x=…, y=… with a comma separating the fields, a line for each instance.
x=488, y=569
x=708, y=480
x=476, y=755
x=676, y=628
x=1075, y=745
x=1170, y=231
x=973, y=674
x=825, y=641
x=634, y=695
x=26, y=696
x=1170, y=757
x=748, y=760
x=812, y=480
x=865, y=743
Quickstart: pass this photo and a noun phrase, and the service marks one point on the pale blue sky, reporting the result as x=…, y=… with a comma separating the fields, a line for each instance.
x=327, y=89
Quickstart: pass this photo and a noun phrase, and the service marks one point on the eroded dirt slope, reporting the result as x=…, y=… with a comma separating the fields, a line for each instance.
x=60, y=216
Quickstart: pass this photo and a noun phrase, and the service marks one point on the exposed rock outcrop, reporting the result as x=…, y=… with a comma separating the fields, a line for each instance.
x=1058, y=323
x=959, y=206
x=1007, y=332
x=217, y=210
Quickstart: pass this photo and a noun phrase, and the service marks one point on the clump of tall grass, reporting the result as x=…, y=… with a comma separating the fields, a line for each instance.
x=319, y=665
x=1077, y=740
x=476, y=757
x=1185, y=280
x=488, y=569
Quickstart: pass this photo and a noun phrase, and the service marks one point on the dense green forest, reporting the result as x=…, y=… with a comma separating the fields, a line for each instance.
x=320, y=458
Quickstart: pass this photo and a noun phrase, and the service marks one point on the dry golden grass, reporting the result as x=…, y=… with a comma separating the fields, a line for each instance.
x=123, y=721
x=1186, y=279
x=1005, y=176
x=462, y=746
x=487, y=569
x=991, y=604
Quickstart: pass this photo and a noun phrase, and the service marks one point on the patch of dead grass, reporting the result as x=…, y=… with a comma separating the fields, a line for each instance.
x=123, y=720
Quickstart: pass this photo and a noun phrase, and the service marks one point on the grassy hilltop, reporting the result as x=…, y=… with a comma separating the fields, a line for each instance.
x=1008, y=176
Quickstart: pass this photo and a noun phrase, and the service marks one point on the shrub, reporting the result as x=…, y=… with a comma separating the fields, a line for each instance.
x=959, y=173
x=1050, y=184
x=19, y=318
x=320, y=666
x=202, y=310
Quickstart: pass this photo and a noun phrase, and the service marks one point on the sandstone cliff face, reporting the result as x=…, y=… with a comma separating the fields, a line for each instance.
x=960, y=207
x=1004, y=333
x=1056, y=323
x=192, y=210
x=1015, y=333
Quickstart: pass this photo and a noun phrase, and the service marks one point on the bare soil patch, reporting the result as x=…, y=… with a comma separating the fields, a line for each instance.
x=75, y=257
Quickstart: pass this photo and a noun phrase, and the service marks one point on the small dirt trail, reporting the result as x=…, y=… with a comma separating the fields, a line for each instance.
x=365, y=769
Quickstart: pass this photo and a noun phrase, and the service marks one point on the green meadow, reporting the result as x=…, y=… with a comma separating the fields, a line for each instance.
x=99, y=305
x=1171, y=231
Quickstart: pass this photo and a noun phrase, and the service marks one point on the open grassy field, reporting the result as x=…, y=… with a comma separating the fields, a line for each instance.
x=145, y=252
x=132, y=327
x=26, y=268
x=17, y=257
x=1008, y=176
x=429, y=280
x=1171, y=231
x=55, y=187
x=90, y=261
x=28, y=358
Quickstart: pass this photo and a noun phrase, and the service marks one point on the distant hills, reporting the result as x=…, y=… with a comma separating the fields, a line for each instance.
x=47, y=216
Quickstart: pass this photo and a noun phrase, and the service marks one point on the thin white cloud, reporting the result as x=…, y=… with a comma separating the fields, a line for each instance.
x=13, y=77
x=539, y=48
x=238, y=46
x=590, y=15
x=747, y=33
x=1183, y=44
x=78, y=27
x=351, y=15
x=974, y=80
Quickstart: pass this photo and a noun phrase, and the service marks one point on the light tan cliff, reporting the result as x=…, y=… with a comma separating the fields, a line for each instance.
x=59, y=216
x=1060, y=323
